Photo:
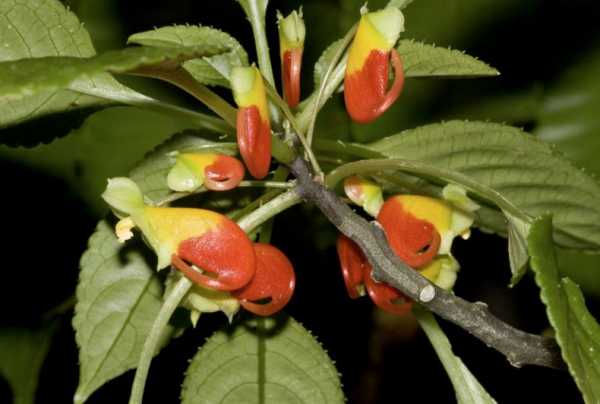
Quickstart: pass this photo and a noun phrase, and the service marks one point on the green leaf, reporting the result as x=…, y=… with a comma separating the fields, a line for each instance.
x=466, y=386
x=518, y=256
x=22, y=354
x=577, y=332
x=214, y=70
x=118, y=297
x=324, y=62
x=87, y=157
x=582, y=268
x=151, y=173
x=422, y=60
x=36, y=76
x=521, y=169
x=44, y=28
x=41, y=28
x=278, y=362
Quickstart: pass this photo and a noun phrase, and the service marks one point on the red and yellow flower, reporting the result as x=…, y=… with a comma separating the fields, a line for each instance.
x=292, y=32
x=197, y=242
x=253, y=124
x=420, y=231
x=228, y=270
x=217, y=172
x=366, y=83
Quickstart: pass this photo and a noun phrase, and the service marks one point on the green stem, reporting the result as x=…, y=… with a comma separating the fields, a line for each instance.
x=175, y=196
x=287, y=113
x=330, y=83
x=338, y=147
x=150, y=345
x=135, y=99
x=186, y=82
x=269, y=210
x=420, y=168
x=266, y=230
x=314, y=109
x=267, y=184
x=256, y=16
x=441, y=345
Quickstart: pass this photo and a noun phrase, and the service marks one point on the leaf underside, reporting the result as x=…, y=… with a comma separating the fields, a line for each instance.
x=214, y=70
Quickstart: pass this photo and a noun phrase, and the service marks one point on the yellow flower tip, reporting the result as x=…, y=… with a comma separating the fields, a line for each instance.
x=442, y=271
x=124, y=196
x=388, y=22
x=123, y=229
x=379, y=31
x=292, y=31
x=242, y=82
x=249, y=90
x=364, y=193
x=457, y=196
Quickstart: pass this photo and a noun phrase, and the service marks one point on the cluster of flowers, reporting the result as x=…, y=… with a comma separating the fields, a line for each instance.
x=420, y=231
x=227, y=268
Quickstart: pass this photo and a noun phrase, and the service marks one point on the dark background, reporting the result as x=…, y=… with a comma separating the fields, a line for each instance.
x=381, y=361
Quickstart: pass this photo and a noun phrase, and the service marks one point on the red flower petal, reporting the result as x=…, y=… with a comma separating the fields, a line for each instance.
x=254, y=141
x=354, y=265
x=274, y=281
x=224, y=174
x=387, y=297
x=415, y=241
x=291, y=66
x=225, y=255
x=365, y=90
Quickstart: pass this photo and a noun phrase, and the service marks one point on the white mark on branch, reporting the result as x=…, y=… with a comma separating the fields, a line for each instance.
x=427, y=294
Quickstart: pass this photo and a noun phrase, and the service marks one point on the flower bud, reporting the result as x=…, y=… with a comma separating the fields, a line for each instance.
x=253, y=125
x=364, y=193
x=217, y=172
x=292, y=32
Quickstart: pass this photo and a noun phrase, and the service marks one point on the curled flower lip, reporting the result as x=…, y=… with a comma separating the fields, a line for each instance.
x=224, y=174
x=386, y=297
x=354, y=265
x=365, y=91
x=357, y=275
x=414, y=240
x=213, y=253
x=274, y=281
